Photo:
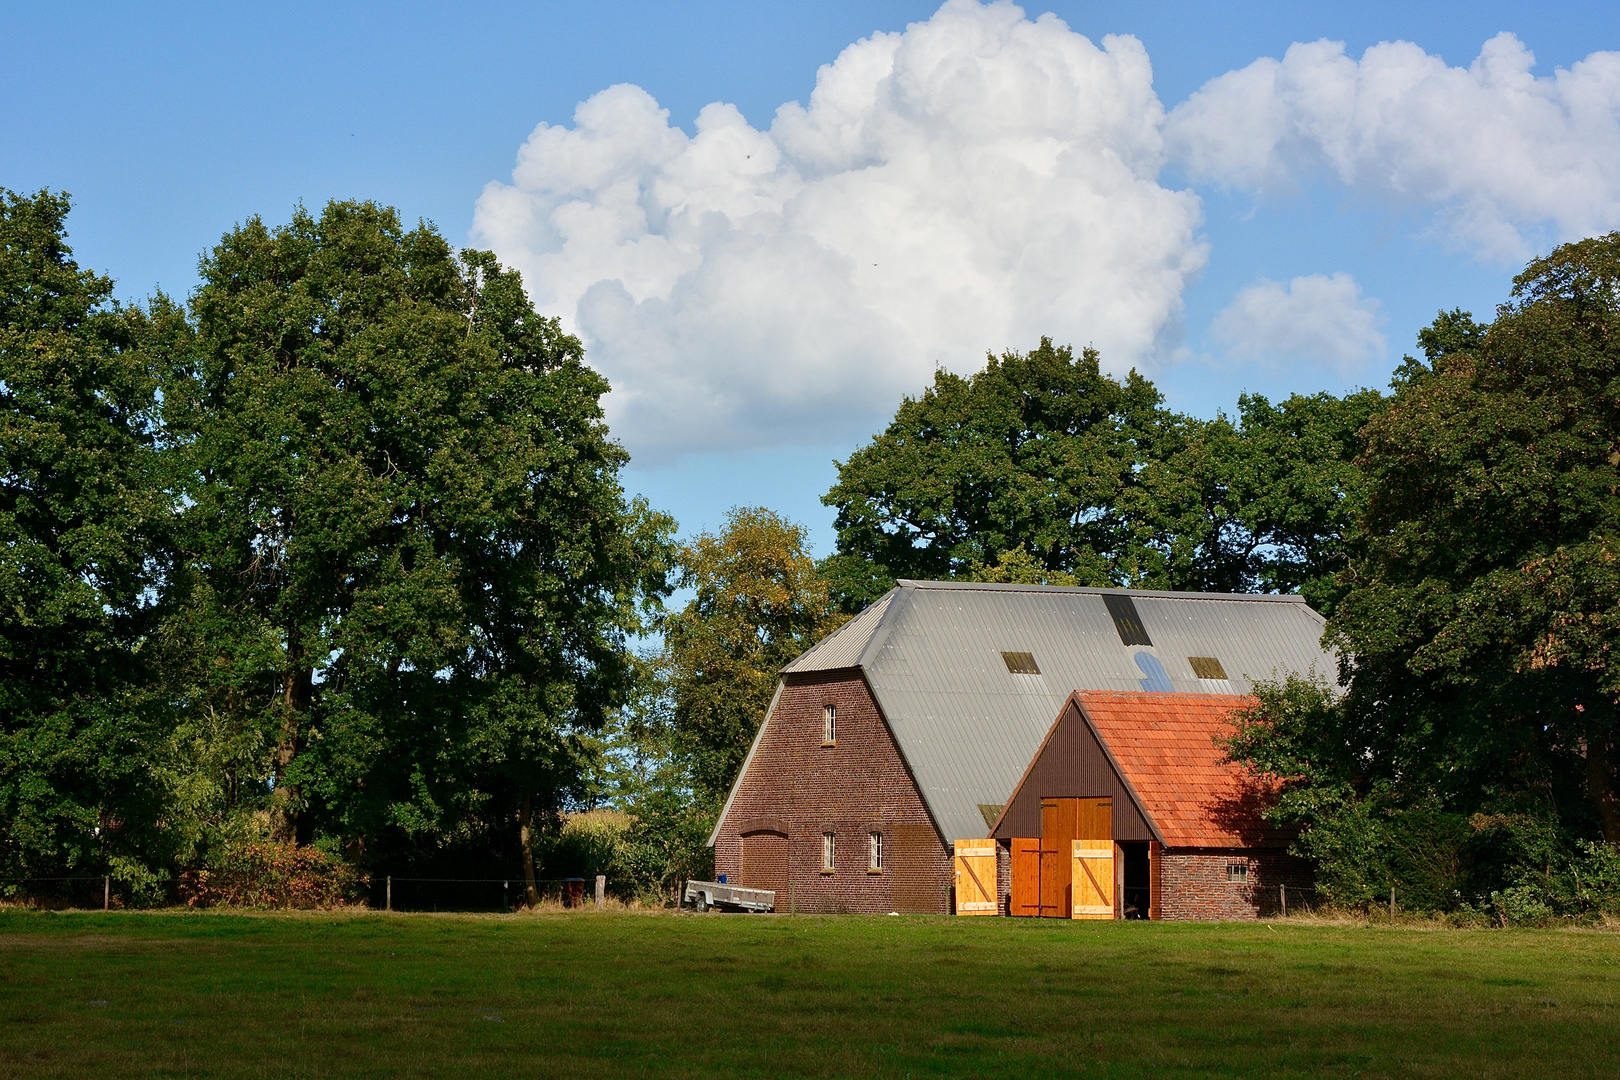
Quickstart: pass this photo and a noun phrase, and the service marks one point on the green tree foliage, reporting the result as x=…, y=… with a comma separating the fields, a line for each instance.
x=1471, y=759
x=1093, y=480
x=1037, y=452
x=759, y=602
x=1481, y=622
x=83, y=512
x=410, y=568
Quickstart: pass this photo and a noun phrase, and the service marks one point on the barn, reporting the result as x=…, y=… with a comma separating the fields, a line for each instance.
x=946, y=710
x=1127, y=811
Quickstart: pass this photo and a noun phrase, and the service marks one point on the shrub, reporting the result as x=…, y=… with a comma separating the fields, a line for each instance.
x=262, y=874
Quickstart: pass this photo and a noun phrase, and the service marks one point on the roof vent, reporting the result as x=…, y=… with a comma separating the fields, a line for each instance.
x=1126, y=620
x=1020, y=663
x=1207, y=667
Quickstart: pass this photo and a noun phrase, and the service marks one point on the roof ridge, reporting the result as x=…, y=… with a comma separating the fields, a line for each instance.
x=1088, y=590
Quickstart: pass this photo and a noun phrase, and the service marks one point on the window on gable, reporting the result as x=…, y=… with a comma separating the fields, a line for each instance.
x=1128, y=624
x=1020, y=663
x=874, y=852
x=1207, y=667
x=826, y=853
x=829, y=725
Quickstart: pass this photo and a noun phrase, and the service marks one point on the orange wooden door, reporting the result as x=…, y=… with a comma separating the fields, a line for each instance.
x=1025, y=898
x=1057, y=834
x=1094, y=819
x=975, y=877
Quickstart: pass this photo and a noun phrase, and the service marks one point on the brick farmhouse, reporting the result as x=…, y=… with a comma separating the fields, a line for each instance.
x=1028, y=750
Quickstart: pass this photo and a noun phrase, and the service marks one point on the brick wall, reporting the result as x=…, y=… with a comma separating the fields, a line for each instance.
x=856, y=787
x=1195, y=884
x=1003, y=877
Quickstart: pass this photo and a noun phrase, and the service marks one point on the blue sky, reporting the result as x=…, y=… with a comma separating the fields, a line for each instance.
x=1210, y=257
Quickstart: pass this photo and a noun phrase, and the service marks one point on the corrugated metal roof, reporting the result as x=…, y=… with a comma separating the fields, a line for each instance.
x=968, y=727
x=842, y=648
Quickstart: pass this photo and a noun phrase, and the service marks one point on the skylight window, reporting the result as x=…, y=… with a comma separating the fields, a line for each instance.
x=1020, y=663
x=1207, y=667
x=1126, y=621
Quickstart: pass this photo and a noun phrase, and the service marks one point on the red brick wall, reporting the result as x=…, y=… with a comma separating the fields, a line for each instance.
x=1195, y=885
x=859, y=786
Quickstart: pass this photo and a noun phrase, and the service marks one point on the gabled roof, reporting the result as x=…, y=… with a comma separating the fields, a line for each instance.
x=1164, y=747
x=967, y=725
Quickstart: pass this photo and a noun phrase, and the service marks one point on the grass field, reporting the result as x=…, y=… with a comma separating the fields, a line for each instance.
x=720, y=996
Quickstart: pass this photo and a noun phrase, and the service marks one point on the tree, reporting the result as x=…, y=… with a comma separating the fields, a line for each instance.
x=1037, y=452
x=1263, y=505
x=407, y=546
x=83, y=511
x=1040, y=457
x=1482, y=620
x=759, y=603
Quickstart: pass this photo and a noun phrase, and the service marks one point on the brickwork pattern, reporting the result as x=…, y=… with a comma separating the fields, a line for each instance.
x=1003, y=877
x=859, y=786
x=1195, y=884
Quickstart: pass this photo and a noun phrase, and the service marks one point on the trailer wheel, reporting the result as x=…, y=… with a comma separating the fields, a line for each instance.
x=701, y=904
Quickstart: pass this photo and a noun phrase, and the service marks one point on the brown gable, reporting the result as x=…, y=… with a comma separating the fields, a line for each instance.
x=1070, y=763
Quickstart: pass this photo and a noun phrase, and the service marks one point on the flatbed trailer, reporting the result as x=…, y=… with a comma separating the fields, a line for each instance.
x=704, y=895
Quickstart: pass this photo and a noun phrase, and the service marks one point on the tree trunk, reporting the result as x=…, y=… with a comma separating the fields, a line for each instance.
x=526, y=833
x=298, y=687
x=1600, y=784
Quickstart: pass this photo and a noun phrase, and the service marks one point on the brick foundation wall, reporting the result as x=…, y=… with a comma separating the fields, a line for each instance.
x=1003, y=877
x=1194, y=884
x=861, y=785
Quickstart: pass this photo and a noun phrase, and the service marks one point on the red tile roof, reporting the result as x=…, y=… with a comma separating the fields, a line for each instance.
x=1164, y=746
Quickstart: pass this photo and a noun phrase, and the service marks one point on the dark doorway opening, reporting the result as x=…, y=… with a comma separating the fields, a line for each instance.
x=1137, y=889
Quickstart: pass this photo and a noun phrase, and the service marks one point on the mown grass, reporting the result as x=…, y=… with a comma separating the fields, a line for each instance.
x=566, y=995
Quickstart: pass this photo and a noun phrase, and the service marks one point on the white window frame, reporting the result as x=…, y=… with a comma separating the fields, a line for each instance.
x=874, y=852
x=1237, y=873
x=828, y=852
x=829, y=725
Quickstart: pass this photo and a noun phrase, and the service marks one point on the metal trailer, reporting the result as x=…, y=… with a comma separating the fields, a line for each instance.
x=704, y=895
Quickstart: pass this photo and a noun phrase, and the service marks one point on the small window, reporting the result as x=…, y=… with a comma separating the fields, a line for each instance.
x=1206, y=667
x=826, y=853
x=1237, y=871
x=874, y=852
x=829, y=725
x=1020, y=663
x=1127, y=623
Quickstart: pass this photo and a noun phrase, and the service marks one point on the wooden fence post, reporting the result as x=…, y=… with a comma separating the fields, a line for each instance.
x=106, y=893
x=388, y=902
x=601, y=891
x=1282, y=894
x=1392, y=905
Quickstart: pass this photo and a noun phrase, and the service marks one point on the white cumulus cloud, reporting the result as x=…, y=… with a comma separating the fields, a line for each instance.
x=1508, y=159
x=1315, y=319
x=967, y=185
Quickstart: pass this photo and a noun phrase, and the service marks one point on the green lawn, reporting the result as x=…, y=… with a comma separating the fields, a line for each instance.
x=563, y=995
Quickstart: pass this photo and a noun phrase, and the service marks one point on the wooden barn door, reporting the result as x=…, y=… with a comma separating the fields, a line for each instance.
x=1066, y=887
x=975, y=877
x=1057, y=837
x=764, y=865
x=1093, y=877
x=1025, y=897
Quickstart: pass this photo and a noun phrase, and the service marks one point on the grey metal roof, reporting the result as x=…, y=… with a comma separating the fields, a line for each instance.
x=842, y=648
x=931, y=651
